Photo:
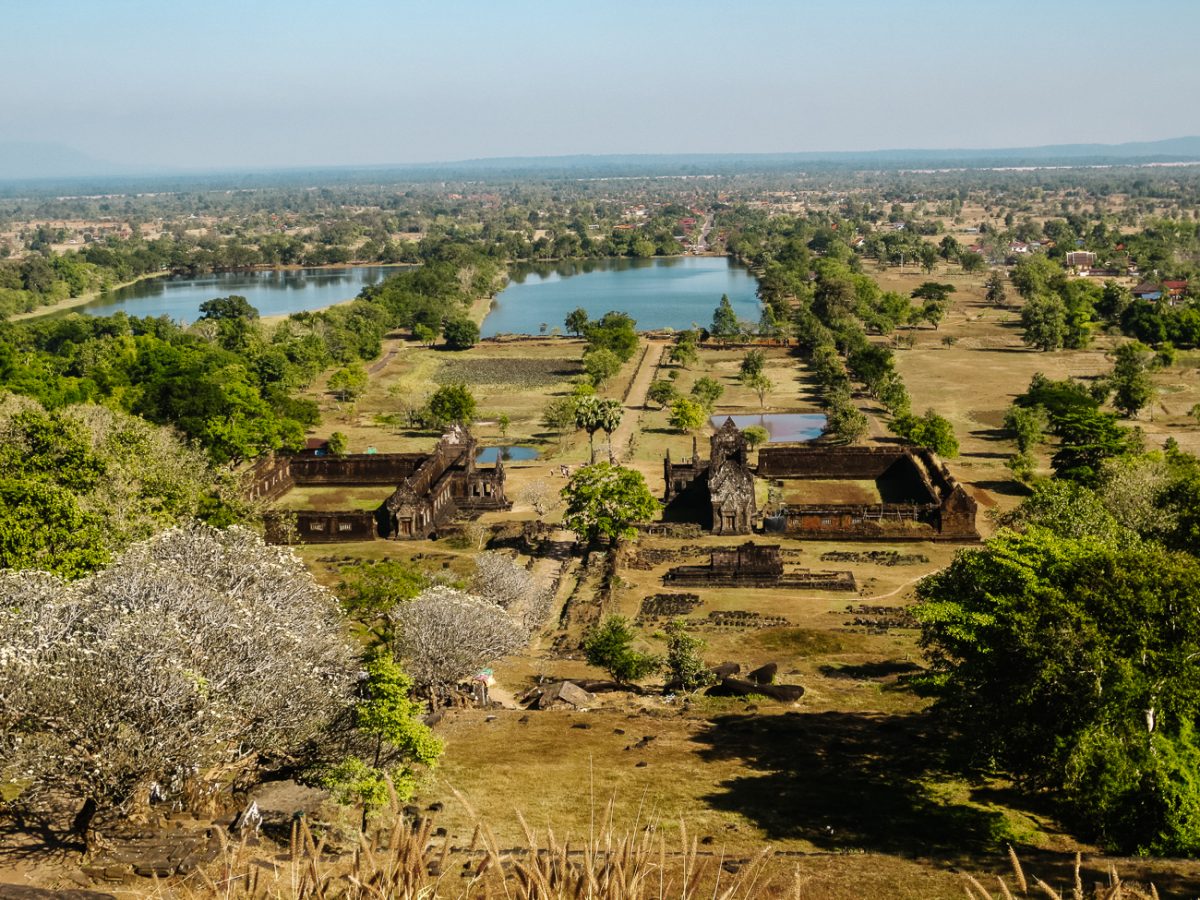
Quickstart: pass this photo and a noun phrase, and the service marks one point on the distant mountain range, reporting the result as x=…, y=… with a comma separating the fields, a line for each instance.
x=46, y=162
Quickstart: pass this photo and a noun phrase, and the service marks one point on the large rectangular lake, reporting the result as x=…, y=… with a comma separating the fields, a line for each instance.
x=272, y=293
x=673, y=292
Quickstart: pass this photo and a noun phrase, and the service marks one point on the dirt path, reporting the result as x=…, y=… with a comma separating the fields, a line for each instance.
x=635, y=400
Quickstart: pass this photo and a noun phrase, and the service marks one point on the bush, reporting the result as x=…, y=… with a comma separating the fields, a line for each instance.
x=609, y=646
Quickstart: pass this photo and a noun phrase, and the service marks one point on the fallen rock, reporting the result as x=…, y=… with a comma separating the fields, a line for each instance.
x=737, y=687
x=764, y=674
x=725, y=669
x=562, y=693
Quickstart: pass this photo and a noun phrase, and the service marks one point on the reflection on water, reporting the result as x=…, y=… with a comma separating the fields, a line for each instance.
x=272, y=292
x=508, y=454
x=668, y=292
x=783, y=428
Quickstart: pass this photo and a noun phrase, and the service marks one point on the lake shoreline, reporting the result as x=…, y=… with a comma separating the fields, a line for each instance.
x=92, y=296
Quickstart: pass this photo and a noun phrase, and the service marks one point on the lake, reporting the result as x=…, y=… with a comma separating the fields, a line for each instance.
x=508, y=454
x=783, y=428
x=672, y=292
x=271, y=292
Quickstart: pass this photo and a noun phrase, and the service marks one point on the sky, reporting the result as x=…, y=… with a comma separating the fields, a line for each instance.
x=265, y=83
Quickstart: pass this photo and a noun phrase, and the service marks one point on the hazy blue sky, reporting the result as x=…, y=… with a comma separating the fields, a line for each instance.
x=264, y=82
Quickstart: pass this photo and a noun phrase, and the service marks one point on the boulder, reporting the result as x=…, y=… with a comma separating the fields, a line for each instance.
x=725, y=669
x=737, y=687
x=563, y=693
x=764, y=674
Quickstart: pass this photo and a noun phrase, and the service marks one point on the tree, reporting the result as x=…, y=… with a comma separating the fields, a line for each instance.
x=370, y=592
x=461, y=333
x=1086, y=439
x=348, y=382
x=337, y=444
x=559, y=416
x=604, y=500
x=684, y=665
x=387, y=717
x=594, y=414
x=1071, y=664
x=577, y=321
x=424, y=334
x=601, y=365
x=81, y=483
x=1035, y=274
x=995, y=291
x=165, y=667
x=539, y=495
x=609, y=646
x=971, y=261
x=1044, y=318
x=446, y=635
x=931, y=431
x=707, y=391
x=683, y=351
x=452, y=404
x=1027, y=425
x=662, y=392
x=687, y=415
x=614, y=331
x=1130, y=378
x=756, y=435
x=725, y=321
x=846, y=422
x=762, y=386
x=753, y=363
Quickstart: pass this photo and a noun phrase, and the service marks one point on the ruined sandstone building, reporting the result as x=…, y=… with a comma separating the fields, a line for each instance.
x=824, y=491
x=431, y=490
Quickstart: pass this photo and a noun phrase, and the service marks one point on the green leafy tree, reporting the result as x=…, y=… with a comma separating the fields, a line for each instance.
x=594, y=414
x=1044, y=318
x=609, y=646
x=846, y=422
x=683, y=352
x=762, y=387
x=931, y=431
x=603, y=500
x=753, y=363
x=1130, y=378
x=755, y=436
x=461, y=333
x=370, y=592
x=559, y=416
x=1027, y=425
x=687, y=415
x=1086, y=439
x=424, y=334
x=725, y=321
x=348, y=382
x=615, y=331
x=707, y=391
x=971, y=261
x=662, y=392
x=684, y=666
x=337, y=444
x=452, y=404
x=995, y=289
x=601, y=365
x=1070, y=663
x=389, y=719
x=577, y=321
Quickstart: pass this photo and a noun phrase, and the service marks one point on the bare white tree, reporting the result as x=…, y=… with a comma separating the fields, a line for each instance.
x=199, y=654
x=508, y=584
x=446, y=635
x=540, y=495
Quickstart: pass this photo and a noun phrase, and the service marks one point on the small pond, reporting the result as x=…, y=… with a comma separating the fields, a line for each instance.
x=783, y=428
x=508, y=454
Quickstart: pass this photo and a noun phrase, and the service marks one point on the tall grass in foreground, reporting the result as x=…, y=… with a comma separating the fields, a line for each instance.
x=1114, y=890
x=407, y=863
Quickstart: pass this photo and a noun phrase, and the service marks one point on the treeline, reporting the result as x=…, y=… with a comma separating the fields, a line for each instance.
x=228, y=382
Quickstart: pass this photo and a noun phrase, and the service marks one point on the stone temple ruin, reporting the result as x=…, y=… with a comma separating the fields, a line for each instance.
x=754, y=565
x=821, y=491
x=431, y=490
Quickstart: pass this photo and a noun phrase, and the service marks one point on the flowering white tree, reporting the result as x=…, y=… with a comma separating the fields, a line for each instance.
x=446, y=635
x=198, y=654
